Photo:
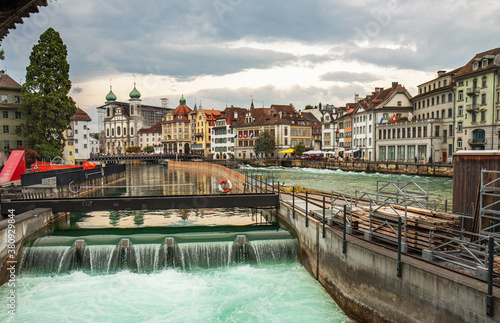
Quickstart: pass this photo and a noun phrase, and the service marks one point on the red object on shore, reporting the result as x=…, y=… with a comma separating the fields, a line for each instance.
x=48, y=166
x=14, y=167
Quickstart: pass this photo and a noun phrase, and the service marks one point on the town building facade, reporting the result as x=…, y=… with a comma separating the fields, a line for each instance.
x=10, y=102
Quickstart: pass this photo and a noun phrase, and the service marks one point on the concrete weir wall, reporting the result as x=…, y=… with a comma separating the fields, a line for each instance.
x=364, y=281
x=224, y=172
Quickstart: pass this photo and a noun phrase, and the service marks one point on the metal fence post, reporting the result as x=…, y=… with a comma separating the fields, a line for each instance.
x=293, y=202
x=489, y=298
x=324, y=220
x=399, y=248
x=307, y=217
x=344, y=241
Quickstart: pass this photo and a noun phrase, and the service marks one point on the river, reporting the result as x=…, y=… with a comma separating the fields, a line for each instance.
x=205, y=283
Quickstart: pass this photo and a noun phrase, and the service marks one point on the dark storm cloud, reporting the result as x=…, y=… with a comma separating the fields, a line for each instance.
x=77, y=90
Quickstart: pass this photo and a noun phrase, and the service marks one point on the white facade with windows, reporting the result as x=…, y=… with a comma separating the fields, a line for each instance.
x=222, y=145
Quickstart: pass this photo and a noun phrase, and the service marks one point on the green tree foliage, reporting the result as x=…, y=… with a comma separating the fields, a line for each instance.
x=309, y=107
x=299, y=148
x=149, y=149
x=265, y=144
x=133, y=149
x=44, y=96
x=2, y=56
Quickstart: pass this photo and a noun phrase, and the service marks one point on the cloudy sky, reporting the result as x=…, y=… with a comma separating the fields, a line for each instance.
x=220, y=52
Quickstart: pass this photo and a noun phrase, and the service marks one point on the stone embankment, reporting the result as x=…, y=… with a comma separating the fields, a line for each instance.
x=367, y=167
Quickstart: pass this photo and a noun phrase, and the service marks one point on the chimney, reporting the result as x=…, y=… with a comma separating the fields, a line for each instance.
x=2, y=72
x=394, y=85
x=440, y=73
x=356, y=98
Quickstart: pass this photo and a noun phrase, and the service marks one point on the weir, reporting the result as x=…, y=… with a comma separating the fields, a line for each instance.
x=42, y=258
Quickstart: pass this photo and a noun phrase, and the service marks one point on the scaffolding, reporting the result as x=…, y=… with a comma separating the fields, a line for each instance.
x=489, y=203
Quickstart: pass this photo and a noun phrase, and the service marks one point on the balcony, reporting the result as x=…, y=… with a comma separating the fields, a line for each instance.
x=477, y=141
x=472, y=107
x=472, y=91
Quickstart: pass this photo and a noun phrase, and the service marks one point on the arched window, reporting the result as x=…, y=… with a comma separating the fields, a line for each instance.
x=108, y=113
x=107, y=132
x=112, y=132
x=118, y=132
x=124, y=131
x=459, y=143
x=131, y=131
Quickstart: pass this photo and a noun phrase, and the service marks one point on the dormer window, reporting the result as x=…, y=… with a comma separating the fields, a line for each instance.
x=475, y=66
x=484, y=63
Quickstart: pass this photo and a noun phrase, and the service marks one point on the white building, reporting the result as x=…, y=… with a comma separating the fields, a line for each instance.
x=151, y=137
x=223, y=135
x=122, y=121
x=81, y=135
x=94, y=144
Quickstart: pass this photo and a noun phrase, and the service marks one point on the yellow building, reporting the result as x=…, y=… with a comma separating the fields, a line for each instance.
x=203, y=120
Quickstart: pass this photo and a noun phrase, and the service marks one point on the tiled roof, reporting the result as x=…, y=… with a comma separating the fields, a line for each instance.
x=156, y=128
x=80, y=115
x=181, y=109
x=7, y=82
x=467, y=69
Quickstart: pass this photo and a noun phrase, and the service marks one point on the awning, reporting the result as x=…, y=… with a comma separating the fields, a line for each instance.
x=351, y=151
x=287, y=151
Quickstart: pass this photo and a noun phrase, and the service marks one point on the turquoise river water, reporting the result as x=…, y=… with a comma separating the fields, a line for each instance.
x=204, y=282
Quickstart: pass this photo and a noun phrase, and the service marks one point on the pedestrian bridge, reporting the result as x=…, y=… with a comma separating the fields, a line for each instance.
x=145, y=202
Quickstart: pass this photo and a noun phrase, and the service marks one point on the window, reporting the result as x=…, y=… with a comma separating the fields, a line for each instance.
x=483, y=81
x=118, y=131
x=76, y=123
x=76, y=131
x=19, y=143
x=475, y=66
x=17, y=99
x=112, y=132
x=450, y=113
x=76, y=150
x=450, y=129
x=483, y=98
x=459, y=126
x=450, y=97
x=85, y=146
x=4, y=98
x=131, y=131
x=107, y=132
x=6, y=144
x=483, y=115
x=6, y=129
x=5, y=114
x=84, y=136
x=460, y=110
x=71, y=153
x=399, y=103
x=84, y=127
x=437, y=100
x=484, y=63
x=18, y=115
x=436, y=131
x=474, y=116
x=76, y=141
x=460, y=95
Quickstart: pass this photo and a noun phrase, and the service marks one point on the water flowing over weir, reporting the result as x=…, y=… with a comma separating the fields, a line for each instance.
x=150, y=258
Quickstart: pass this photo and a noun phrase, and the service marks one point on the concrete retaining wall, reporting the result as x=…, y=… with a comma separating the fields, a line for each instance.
x=364, y=281
x=13, y=233
x=368, y=167
x=225, y=173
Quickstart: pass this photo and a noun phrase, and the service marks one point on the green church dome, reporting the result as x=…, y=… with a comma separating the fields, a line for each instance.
x=111, y=97
x=135, y=94
x=182, y=101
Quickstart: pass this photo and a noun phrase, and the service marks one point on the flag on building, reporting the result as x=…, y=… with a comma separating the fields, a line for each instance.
x=381, y=120
x=410, y=116
x=394, y=118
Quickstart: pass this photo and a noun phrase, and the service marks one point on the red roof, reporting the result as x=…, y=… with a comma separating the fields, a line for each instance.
x=467, y=69
x=80, y=115
x=156, y=128
x=7, y=82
